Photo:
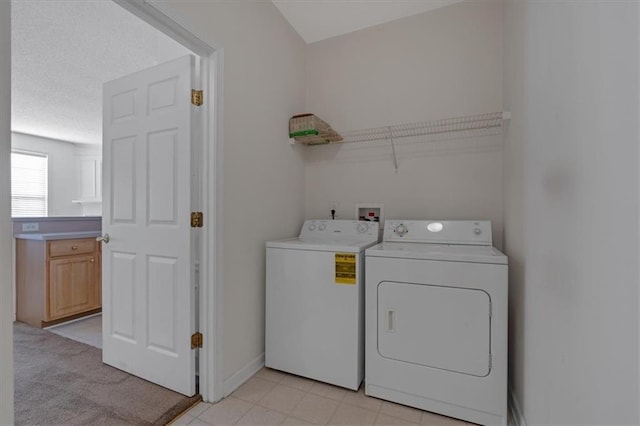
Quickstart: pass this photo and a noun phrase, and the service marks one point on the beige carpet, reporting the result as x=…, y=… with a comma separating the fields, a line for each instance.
x=63, y=382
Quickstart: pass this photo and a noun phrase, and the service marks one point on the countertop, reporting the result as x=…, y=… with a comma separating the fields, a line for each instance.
x=55, y=218
x=57, y=235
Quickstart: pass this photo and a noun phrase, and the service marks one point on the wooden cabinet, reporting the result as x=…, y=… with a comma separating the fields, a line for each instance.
x=57, y=280
x=71, y=286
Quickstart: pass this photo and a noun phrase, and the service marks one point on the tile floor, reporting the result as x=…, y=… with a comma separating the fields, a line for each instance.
x=86, y=330
x=274, y=398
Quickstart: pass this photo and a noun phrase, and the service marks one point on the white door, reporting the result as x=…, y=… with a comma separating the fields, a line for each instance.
x=147, y=269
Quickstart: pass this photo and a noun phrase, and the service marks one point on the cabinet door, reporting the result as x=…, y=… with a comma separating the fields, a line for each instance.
x=89, y=177
x=71, y=286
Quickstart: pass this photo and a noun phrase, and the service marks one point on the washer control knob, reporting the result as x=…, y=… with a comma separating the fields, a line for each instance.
x=321, y=227
x=477, y=231
x=401, y=229
x=311, y=226
x=363, y=227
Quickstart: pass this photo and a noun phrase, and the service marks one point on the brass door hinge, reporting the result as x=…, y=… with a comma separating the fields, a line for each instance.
x=197, y=220
x=196, y=340
x=197, y=97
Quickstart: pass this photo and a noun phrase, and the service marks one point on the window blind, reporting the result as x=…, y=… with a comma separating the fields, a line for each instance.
x=29, y=184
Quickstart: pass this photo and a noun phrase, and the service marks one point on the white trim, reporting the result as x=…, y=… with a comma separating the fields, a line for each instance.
x=243, y=374
x=214, y=240
x=638, y=236
x=210, y=303
x=515, y=412
x=211, y=388
x=153, y=16
x=6, y=230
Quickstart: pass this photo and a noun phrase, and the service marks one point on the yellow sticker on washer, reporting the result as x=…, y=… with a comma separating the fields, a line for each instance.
x=345, y=268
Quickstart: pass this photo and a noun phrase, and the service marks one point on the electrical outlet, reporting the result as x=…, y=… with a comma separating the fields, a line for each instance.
x=27, y=227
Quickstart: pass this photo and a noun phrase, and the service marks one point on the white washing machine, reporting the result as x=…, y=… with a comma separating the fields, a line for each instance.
x=315, y=301
x=436, y=319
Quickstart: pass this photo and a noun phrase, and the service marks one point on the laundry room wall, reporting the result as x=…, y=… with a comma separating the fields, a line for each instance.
x=263, y=176
x=571, y=209
x=441, y=64
x=6, y=256
x=62, y=173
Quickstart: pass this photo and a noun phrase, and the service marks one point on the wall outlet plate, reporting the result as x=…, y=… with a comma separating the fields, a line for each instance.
x=28, y=227
x=370, y=211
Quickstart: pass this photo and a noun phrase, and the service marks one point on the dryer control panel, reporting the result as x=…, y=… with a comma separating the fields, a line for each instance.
x=337, y=230
x=469, y=232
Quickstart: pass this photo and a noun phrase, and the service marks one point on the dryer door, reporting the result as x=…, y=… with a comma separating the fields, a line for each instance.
x=447, y=328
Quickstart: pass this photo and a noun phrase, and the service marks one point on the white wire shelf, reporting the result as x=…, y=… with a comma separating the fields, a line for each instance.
x=487, y=124
x=479, y=124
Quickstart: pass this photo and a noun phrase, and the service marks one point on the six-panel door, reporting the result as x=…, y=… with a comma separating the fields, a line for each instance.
x=148, y=267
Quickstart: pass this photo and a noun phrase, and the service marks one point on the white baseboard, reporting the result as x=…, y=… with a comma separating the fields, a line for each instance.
x=515, y=412
x=242, y=375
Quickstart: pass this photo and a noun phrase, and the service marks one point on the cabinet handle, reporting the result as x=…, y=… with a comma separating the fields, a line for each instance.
x=74, y=247
x=92, y=260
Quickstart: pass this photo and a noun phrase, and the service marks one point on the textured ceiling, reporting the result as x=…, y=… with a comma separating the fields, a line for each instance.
x=317, y=20
x=63, y=52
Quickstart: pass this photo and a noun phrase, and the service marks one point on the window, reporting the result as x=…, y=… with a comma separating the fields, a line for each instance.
x=29, y=186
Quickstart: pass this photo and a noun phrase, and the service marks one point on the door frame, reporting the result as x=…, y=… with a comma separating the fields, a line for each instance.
x=210, y=265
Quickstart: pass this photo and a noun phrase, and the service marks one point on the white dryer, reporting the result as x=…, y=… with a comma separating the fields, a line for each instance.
x=315, y=301
x=436, y=319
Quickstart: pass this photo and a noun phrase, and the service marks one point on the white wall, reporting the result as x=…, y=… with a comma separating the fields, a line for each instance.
x=263, y=176
x=441, y=64
x=571, y=209
x=62, y=171
x=167, y=49
x=88, y=150
x=6, y=258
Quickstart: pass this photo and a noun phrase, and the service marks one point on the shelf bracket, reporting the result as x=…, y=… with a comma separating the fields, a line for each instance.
x=393, y=149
